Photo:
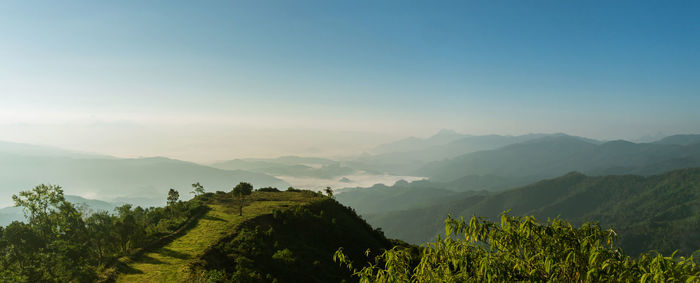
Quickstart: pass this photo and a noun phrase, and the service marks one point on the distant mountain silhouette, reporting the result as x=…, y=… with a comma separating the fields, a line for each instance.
x=405, y=157
x=289, y=166
x=108, y=177
x=680, y=139
x=552, y=156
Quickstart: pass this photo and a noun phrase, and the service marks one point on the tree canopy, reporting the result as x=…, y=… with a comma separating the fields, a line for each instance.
x=241, y=190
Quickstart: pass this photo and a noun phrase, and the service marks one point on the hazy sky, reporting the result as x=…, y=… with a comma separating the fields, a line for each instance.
x=210, y=80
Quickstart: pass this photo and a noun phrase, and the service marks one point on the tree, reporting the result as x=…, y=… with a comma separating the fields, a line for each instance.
x=329, y=192
x=53, y=242
x=38, y=202
x=125, y=230
x=241, y=190
x=102, y=238
x=173, y=196
x=198, y=189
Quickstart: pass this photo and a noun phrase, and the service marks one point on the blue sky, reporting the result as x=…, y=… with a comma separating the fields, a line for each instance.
x=371, y=70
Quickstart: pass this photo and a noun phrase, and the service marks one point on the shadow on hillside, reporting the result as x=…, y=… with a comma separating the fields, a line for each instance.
x=126, y=269
x=213, y=218
x=175, y=254
x=147, y=259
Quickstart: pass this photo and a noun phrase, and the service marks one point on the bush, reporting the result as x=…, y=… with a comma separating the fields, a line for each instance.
x=521, y=249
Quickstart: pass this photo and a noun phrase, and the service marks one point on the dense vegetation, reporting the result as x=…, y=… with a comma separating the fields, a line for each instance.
x=650, y=213
x=294, y=236
x=521, y=249
x=60, y=243
x=294, y=244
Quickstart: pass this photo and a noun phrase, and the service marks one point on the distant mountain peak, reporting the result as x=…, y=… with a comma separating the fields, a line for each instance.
x=446, y=132
x=559, y=137
x=683, y=139
x=574, y=174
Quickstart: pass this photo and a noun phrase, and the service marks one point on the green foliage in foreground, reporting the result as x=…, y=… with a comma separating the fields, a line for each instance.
x=521, y=249
x=60, y=243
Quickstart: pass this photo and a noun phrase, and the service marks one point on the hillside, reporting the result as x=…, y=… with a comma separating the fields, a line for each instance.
x=659, y=212
x=288, y=236
x=422, y=193
x=401, y=196
x=553, y=156
x=111, y=178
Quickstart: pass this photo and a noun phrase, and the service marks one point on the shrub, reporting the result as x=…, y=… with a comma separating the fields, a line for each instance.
x=521, y=249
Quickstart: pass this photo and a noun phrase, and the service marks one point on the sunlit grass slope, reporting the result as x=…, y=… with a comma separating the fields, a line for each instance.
x=170, y=262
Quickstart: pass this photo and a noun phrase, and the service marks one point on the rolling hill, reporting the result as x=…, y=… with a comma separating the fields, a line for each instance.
x=659, y=212
x=407, y=156
x=111, y=178
x=281, y=236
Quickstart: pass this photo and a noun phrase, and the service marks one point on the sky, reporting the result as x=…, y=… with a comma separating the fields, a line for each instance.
x=215, y=80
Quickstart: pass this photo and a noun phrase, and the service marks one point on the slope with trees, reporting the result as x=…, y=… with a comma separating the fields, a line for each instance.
x=289, y=236
x=659, y=212
x=59, y=243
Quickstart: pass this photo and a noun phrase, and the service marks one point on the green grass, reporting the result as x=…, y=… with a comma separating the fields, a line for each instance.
x=170, y=262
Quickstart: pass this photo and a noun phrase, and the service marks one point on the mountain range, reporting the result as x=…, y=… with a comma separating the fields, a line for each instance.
x=302, y=167
x=24, y=166
x=555, y=155
x=649, y=212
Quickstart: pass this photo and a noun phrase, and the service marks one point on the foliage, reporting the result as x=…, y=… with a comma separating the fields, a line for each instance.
x=521, y=249
x=173, y=197
x=198, y=189
x=60, y=243
x=268, y=189
x=295, y=244
x=170, y=262
x=241, y=190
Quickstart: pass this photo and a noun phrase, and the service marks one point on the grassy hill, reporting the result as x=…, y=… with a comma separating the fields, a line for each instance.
x=660, y=212
x=288, y=236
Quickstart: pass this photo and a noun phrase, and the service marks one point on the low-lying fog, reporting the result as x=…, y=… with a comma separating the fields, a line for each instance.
x=348, y=181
